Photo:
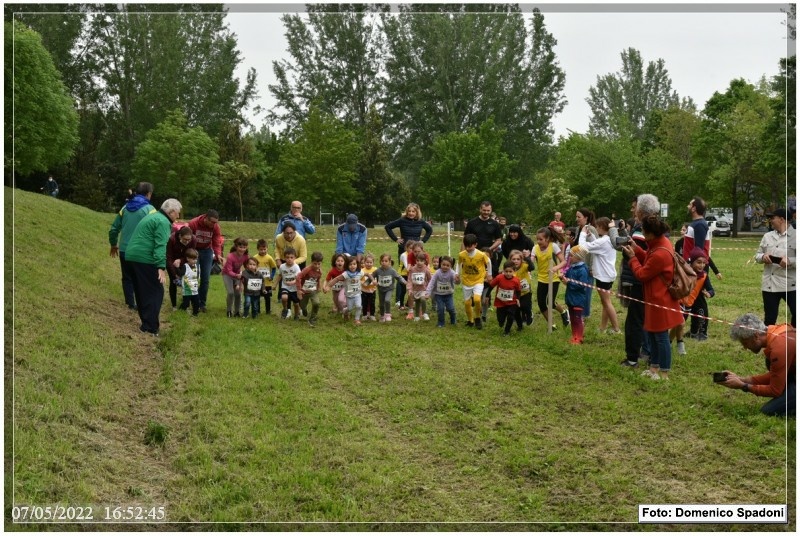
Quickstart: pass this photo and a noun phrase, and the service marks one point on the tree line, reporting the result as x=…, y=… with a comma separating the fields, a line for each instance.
x=443, y=104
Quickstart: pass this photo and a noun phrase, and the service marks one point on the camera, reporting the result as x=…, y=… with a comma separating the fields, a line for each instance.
x=720, y=377
x=622, y=241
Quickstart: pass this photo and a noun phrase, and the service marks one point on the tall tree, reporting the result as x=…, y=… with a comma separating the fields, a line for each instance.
x=181, y=161
x=452, y=70
x=466, y=168
x=779, y=158
x=622, y=102
x=320, y=165
x=238, y=169
x=41, y=124
x=336, y=60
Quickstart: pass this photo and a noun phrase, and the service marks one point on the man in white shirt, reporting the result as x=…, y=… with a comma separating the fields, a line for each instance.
x=778, y=253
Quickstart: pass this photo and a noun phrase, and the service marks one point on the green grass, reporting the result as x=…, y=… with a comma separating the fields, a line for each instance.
x=268, y=420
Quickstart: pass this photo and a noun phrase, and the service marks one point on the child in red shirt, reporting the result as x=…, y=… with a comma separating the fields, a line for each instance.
x=506, y=301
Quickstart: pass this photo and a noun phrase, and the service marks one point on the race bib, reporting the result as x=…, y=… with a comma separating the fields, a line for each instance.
x=418, y=278
x=385, y=281
x=337, y=286
x=525, y=285
x=290, y=279
x=353, y=286
x=265, y=272
x=309, y=285
x=444, y=288
x=254, y=284
x=191, y=285
x=505, y=295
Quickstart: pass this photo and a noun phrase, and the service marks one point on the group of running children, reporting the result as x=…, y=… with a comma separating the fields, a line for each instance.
x=354, y=284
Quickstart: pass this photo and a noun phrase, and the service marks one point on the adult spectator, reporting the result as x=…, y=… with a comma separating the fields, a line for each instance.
x=697, y=235
x=585, y=226
x=351, y=238
x=302, y=225
x=778, y=253
x=631, y=288
x=488, y=232
x=517, y=239
x=50, y=187
x=136, y=208
x=411, y=226
x=291, y=238
x=147, y=257
x=557, y=224
x=779, y=345
x=654, y=268
x=209, y=239
x=178, y=243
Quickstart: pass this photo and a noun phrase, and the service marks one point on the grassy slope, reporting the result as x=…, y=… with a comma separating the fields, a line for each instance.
x=273, y=421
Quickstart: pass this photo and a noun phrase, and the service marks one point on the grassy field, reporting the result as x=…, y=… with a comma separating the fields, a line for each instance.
x=233, y=420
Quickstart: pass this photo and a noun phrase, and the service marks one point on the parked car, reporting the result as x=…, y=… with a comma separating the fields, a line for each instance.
x=718, y=227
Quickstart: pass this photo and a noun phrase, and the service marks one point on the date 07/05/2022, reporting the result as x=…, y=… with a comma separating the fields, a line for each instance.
x=22, y=514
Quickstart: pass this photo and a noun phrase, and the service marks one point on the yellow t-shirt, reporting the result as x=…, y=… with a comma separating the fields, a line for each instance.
x=473, y=269
x=543, y=262
x=364, y=286
x=524, y=276
x=265, y=266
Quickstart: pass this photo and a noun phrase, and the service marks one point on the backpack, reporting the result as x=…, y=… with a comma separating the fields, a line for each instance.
x=684, y=277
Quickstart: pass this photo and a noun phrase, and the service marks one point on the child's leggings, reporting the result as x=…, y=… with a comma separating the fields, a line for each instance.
x=699, y=307
x=506, y=316
x=368, y=299
x=354, y=306
x=339, y=299
x=401, y=293
x=576, y=322
x=420, y=306
x=471, y=305
x=234, y=299
x=525, y=309
x=385, y=300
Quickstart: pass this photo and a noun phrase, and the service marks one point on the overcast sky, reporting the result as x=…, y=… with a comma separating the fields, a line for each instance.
x=703, y=51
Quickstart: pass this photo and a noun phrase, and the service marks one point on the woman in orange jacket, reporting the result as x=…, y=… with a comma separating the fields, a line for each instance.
x=654, y=268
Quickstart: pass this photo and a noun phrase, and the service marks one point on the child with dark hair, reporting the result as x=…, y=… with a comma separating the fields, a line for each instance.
x=442, y=287
x=308, y=286
x=252, y=281
x=287, y=275
x=232, y=276
x=188, y=275
x=506, y=301
x=352, y=288
x=338, y=264
x=385, y=276
x=418, y=277
x=267, y=268
x=549, y=260
x=523, y=268
x=368, y=289
x=474, y=267
x=177, y=245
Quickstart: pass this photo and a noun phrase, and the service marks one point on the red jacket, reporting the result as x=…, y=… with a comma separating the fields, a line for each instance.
x=654, y=268
x=207, y=238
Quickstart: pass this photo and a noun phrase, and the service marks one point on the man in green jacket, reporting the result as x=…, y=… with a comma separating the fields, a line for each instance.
x=147, y=258
x=122, y=229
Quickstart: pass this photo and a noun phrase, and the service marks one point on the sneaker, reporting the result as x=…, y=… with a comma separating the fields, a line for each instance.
x=440, y=324
x=203, y=309
x=357, y=322
x=174, y=309
x=565, y=319
x=383, y=318
x=691, y=336
x=478, y=324
x=470, y=324
x=388, y=317
x=702, y=336
x=397, y=304
x=681, y=348
x=230, y=314
x=246, y=316
x=650, y=374
x=483, y=319
x=416, y=319
x=410, y=316
x=426, y=317
x=506, y=334
x=614, y=331
x=237, y=314
x=631, y=364
x=285, y=314
x=312, y=321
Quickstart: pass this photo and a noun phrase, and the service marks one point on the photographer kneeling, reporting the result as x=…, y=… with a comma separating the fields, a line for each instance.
x=779, y=347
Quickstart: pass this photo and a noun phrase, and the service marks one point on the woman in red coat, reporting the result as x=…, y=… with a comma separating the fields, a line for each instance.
x=654, y=268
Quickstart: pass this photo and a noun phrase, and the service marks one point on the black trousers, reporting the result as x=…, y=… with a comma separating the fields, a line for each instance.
x=772, y=301
x=699, y=307
x=149, y=294
x=634, y=322
x=506, y=316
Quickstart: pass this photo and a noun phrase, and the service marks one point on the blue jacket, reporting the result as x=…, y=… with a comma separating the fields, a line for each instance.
x=351, y=242
x=409, y=229
x=575, y=295
x=301, y=225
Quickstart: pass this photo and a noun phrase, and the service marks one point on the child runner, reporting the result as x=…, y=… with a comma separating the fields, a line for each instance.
x=604, y=259
x=475, y=267
x=486, y=299
x=368, y=290
x=695, y=302
x=546, y=249
x=267, y=268
x=352, y=288
x=252, y=281
x=401, y=288
x=435, y=260
x=309, y=283
x=506, y=301
x=442, y=286
x=575, y=295
x=287, y=275
x=386, y=276
x=337, y=290
x=417, y=251
x=231, y=275
x=189, y=274
x=523, y=268
x=418, y=277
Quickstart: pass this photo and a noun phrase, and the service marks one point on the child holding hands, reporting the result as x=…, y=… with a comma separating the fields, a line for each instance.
x=442, y=287
x=418, y=278
x=231, y=275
